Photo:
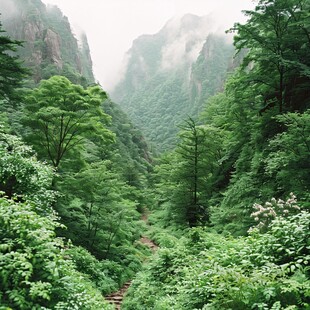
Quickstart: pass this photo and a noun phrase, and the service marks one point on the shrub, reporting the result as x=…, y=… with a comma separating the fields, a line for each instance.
x=208, y=271
x=35, y=270
x=275, y=208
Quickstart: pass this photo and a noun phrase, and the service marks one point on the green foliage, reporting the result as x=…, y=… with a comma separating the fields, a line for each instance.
x=288, y=161
x=36, y=272
x=252, y=143
x=277, y=39
x=159, y=99
x=130, y=152
x=12, y=74
x=265, y=214
x=102, y=273
x=185, y=178
x=22, y=176
x=209, y=271
x=11, y=71
x=96, y=210
x=263, y=115
x=98, y=182
x=286, y=242
x=60, y=115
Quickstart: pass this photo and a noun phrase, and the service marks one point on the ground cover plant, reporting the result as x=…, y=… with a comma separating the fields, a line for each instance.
x=268, y=269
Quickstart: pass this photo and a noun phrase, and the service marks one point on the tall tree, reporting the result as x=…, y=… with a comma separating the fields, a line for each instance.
x=96, y=210
x=277, y=36
x=191, y=172
x=61, y=115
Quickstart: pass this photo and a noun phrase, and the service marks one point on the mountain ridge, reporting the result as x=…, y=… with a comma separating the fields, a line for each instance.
x=171, y=74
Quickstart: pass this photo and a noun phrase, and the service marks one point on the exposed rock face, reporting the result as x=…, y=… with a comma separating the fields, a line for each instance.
x=32, y=31
x=49, y=45
x=52, y=41
x=208, y=72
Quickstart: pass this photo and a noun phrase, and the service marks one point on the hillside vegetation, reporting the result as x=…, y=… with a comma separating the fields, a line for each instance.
x=170, y=75
x=228, y=204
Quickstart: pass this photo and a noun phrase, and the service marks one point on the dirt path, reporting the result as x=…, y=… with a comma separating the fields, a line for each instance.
x=116, y=298
x=149, y=243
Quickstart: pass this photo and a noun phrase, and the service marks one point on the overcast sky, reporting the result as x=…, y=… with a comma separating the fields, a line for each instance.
x=112, y=25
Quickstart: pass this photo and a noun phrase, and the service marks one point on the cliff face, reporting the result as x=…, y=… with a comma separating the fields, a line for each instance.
x=209, y=71
x=50, y=46
x=171, y=74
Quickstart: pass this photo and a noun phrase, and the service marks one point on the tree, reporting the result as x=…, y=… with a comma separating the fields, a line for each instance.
x=11, y=70
x=288, y=162
x=277, y=36
x=61, y=115
x=12, y=74
x=97, y=213
x=191, y=172
x=264, y=156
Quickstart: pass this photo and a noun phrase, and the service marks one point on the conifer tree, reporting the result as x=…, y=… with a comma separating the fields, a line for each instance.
x=11, y=70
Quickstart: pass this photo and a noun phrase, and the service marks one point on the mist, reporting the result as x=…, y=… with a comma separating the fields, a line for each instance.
x=112, y=25
x=8, y=7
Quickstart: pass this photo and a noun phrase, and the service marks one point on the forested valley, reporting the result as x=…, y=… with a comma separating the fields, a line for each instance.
x=223, y=192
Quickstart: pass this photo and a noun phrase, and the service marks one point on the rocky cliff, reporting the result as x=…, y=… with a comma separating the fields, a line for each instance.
x=50, y=47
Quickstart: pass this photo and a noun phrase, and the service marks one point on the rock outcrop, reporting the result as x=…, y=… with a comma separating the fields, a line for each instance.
x=50, y=46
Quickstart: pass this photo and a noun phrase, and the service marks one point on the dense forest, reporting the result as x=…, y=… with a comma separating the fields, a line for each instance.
x=227, y=203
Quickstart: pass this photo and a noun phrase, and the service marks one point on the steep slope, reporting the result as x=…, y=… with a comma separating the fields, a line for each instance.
x=50, y=46
x=170, y=75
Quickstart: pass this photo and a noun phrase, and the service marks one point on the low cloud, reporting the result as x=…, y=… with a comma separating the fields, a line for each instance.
x=10, y=9
x=186, y=36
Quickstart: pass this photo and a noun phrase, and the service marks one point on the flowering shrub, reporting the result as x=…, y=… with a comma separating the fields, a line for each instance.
x=270, y=210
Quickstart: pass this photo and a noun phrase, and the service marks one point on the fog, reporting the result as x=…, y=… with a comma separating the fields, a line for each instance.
x=8, y=7
x=177, y=49
x=112, y=25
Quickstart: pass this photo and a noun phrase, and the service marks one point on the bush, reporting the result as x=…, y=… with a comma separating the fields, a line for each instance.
x=35, y=269
x=22, y=175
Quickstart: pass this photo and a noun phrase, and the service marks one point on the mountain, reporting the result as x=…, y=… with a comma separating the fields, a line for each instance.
x=169, y=75
x=49, y=47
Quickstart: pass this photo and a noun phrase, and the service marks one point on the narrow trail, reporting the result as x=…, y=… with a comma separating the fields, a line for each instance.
x=116, y=298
